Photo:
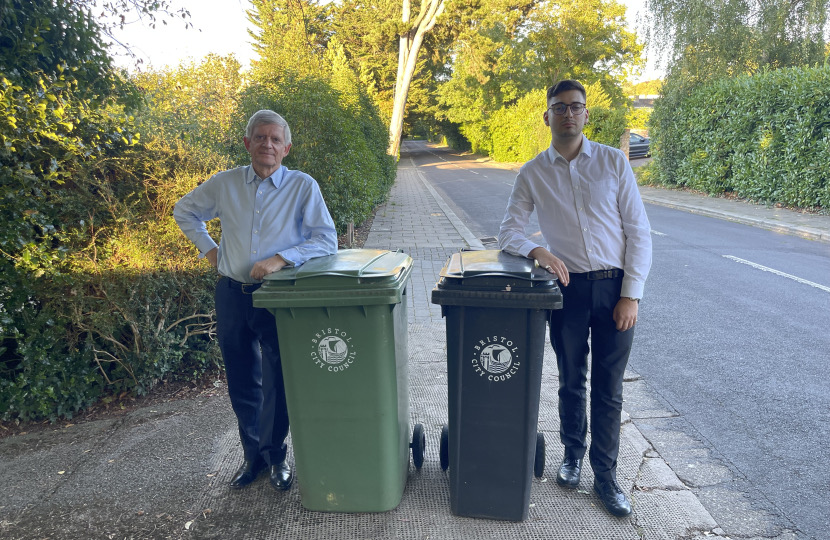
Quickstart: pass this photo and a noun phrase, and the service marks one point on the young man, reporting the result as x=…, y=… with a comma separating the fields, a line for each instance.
x=272, y=218
x=599, y=246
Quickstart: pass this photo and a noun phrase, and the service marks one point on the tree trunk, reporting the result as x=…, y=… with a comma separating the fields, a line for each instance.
x=410, y=44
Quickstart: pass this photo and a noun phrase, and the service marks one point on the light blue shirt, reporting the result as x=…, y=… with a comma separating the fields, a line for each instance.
x=282, y=215
x=590, y=213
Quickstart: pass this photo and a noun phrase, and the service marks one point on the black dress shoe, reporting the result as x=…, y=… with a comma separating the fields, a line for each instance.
x=281, y=477
x=247, y=473
x=569, y=471
x=612, y=497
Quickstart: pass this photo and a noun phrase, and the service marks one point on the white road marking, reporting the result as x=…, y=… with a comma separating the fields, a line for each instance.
x=454, y=164
x=658, y=233
x=778, y=273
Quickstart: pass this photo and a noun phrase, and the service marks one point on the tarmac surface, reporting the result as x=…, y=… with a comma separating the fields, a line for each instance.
x=163, y=471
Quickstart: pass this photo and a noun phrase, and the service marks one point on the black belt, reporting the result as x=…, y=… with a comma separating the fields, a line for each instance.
x=598, y=274
x=247, y=288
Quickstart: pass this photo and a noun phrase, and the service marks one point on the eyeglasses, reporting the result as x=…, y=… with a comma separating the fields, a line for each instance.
x=560, y=108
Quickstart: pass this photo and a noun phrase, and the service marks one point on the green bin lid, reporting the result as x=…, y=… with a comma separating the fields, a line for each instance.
x=494, y=278
x=347, y=278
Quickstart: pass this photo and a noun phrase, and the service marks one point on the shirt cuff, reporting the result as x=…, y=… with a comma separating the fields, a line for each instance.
x=631, y=288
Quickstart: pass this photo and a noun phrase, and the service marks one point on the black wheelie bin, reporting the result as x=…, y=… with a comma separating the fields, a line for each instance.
x=496, y=308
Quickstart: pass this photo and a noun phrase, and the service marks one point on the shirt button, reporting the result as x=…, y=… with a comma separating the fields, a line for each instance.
x=585, y=229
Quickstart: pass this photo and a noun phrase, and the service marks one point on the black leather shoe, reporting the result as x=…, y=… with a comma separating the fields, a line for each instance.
x=247, y=473
x=612, y=497
x=569, y=471
x=281, y=477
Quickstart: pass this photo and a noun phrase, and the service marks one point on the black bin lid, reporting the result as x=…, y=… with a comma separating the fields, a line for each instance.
x=494, y=278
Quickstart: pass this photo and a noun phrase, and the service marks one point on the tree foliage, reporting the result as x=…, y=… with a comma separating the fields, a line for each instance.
x=291, y=37
x=708, y=39
x=195, y=103
x=505, y=56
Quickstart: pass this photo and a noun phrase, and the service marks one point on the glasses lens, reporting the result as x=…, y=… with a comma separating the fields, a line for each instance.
x=560, y=108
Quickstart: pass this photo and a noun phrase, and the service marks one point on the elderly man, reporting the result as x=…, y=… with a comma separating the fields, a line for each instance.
x=599, y=245
x=272, y=218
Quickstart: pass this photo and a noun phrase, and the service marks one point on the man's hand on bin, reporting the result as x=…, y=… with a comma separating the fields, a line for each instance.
x=547, y=260
x=267, y=266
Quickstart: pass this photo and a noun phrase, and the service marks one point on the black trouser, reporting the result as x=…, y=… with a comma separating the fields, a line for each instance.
x=248, y=341
x=589, y=305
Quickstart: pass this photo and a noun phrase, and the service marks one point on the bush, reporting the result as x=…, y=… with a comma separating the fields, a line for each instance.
x=764, y=137
x=638, y=118
x=606, y=126
x=90, y=336
x=518, y=132
x=121, y=308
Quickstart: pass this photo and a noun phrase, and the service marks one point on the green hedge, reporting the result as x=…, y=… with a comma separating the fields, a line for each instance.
x=764, y=137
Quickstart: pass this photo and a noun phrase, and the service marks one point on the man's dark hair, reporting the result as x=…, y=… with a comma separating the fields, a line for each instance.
x=564, y=86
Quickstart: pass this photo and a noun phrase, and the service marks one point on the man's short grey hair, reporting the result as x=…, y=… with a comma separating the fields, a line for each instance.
x=266, y=116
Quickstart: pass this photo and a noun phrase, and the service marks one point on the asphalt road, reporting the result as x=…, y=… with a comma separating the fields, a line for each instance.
x=733, y=343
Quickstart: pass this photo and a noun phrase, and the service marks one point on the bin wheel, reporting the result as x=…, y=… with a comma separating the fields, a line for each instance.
x=539, y=462
x=444, y=447
x=418, y=445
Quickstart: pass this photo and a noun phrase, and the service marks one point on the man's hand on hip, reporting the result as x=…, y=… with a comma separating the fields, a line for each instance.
x=212, y=257
x=267, y=266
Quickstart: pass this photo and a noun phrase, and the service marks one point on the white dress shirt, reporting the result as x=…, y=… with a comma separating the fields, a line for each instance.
x=283, y=214
x=590, y=213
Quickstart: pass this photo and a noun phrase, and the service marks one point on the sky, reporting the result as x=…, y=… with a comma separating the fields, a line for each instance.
x=221, y=27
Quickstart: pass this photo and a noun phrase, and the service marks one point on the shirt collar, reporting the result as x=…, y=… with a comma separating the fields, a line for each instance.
x=586, y=149
x=276, y=178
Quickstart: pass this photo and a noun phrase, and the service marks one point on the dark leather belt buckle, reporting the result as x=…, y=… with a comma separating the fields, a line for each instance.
x=246, y=288
x=604, y=274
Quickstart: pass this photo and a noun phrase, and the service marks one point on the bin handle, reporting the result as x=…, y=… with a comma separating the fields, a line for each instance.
x=369, y=263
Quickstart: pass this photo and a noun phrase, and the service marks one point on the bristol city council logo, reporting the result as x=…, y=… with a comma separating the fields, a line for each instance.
x=331, y=349
x=496, y=358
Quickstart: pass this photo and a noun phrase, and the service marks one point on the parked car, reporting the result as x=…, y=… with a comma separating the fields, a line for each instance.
x=638, y=146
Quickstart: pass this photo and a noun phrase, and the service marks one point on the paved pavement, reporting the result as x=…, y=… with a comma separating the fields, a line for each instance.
x=163, y=471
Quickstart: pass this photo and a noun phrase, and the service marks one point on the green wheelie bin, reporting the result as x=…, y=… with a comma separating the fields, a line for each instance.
x=496, y=308
x=342, y=324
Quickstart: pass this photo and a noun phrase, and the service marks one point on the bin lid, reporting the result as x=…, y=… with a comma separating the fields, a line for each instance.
x=349, y=277
x=498, y=279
